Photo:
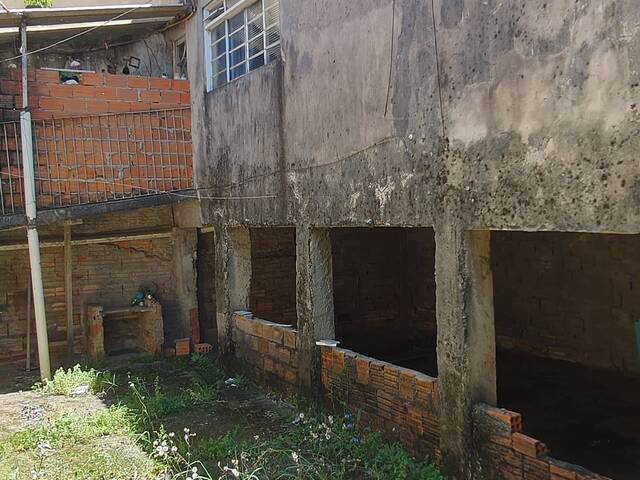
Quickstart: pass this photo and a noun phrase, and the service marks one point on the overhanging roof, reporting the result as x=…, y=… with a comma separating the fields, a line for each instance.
x=55, y=23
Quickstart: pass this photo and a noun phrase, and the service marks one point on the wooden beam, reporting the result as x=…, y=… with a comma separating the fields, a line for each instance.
x=68, y=289
x=89, y=241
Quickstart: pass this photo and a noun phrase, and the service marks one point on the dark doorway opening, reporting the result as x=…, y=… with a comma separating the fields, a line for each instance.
x=565, y=308
x=206, y=288
x=384, y=294
x=273, y=274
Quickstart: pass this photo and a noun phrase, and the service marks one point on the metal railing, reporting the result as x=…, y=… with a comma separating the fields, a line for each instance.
x=98, y=158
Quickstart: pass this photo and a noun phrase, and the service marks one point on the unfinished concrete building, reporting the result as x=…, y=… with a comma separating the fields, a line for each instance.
x=454, y=187
x=116, y=209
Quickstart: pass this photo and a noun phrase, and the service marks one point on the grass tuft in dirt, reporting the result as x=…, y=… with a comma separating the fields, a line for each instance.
x=64, y=382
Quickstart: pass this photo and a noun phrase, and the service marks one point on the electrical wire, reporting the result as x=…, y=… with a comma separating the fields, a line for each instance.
x=151, y=191
x=84, y=32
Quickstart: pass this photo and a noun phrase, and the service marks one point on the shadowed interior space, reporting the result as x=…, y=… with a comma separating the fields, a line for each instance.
x=273, y=274
x=384, y=294
x=566, y=307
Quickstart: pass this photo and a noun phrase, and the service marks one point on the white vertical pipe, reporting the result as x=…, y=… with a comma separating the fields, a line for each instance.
x=30, y=208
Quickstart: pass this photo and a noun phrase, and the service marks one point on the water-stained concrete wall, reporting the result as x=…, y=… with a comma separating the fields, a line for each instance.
x=453, y=114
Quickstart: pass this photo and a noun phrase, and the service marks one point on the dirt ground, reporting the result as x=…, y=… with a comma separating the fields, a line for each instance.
x=242, y=410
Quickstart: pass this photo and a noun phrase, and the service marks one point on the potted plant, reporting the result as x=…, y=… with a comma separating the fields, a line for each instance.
x=37, y=3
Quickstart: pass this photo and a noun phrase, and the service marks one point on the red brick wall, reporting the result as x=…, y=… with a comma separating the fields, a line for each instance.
x=568, y=296
x=97, y=93
x=400, y=402
x=266, y=351
x=508, y=454
x=273, y=274
x=107, y=273
x=89, y=158
x=384, y=285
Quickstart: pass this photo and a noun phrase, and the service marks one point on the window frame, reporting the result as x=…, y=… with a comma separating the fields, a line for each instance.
x=240, y=7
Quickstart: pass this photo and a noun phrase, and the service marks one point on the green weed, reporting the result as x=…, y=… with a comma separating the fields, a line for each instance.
x=65, y=381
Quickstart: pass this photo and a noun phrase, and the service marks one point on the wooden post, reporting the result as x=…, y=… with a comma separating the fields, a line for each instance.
x=68, y=289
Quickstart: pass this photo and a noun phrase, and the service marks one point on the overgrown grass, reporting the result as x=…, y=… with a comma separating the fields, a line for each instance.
x=151, y=402
x=65, y=381
x=307, y=446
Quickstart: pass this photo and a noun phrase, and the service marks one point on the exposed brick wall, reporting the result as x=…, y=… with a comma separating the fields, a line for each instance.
x=207, y=288
x=108, y=274
x=400, y=402
x=508, y=454
x=568, y=296
x=384, y=289
x=266, y=351
x=273, y=274
x=88, y=158
x=97, y=93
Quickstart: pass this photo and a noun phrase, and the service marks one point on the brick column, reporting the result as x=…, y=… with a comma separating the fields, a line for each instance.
x=233, y=279
x=314, y=301
x=466, y=340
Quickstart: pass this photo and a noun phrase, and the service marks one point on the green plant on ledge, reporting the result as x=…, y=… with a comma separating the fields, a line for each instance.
x=38, y=3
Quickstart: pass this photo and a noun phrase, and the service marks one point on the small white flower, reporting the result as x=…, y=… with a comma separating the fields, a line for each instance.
x=186, y=430
x=172, y=434
x=174, y=449
x=194, y=469
x=330, y=418
x=295, y=457
x=256, y=437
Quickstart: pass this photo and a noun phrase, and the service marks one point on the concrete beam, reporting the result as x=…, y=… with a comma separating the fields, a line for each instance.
x=314, y=300
x=466, y=340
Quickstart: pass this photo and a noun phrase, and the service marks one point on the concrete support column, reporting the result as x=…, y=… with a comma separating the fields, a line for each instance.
x=233, y=279
x=185, y=248
x=466, y=340
x=314, y=301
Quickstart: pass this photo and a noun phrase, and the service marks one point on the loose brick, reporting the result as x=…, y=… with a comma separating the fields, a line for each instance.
x=528, y=446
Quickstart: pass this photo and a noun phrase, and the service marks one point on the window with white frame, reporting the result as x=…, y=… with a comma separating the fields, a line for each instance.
x=240, y=36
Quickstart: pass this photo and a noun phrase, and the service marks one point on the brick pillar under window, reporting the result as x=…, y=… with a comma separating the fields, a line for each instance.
x=314, y=301
x=466, y=340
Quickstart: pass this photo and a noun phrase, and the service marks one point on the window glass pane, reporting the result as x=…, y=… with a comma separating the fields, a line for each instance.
x=239, y=70
x=256, y=45
x=273, y=53
x=231, y=3
x=220, y=79
x=255, y=27
x=270, y=3
x=220, y=64
x=256, y=62
x=273, y=35
x=236, y=22
x=217, y=33
x=219, y=48
x=237, y=56
x=213, y=12
x=236, y=39
x=254, y=10
x=272, y=16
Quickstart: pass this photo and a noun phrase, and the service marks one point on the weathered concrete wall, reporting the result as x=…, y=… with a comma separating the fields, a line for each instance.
x=456, y=114
x=541, y=92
